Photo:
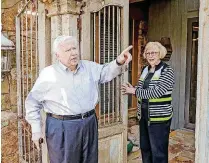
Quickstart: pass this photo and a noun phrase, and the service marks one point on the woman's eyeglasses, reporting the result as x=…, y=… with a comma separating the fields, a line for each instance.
x=151, y=53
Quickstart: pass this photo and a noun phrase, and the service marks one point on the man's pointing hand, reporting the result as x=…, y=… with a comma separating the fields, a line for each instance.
x=125, y=56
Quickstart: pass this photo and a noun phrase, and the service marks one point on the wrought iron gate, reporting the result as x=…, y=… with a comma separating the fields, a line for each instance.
x=106, y=24
x=27, y=72
x=108, y=27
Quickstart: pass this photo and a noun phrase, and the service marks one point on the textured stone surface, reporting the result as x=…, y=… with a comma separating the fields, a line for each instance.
x=9, y=137
x=13, y=98
x=8, y=17
x=9, y=134
x=8, y=115
x=5, y=85
x=181, y=148
x=5, y=102
x=13, y=108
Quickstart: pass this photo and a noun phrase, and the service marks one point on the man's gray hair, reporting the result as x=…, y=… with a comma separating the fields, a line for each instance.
x=61, y=39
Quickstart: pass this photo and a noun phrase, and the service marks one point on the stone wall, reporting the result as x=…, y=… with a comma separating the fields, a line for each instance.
x=8, y=86
x=9, y=136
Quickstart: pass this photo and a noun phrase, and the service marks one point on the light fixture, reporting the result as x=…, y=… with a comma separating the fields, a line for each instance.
x=7, y=50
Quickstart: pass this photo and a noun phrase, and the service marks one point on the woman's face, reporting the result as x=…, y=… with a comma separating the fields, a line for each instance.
x=153, y=56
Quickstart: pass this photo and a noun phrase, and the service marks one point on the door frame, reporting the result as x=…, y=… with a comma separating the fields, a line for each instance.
x=188, y=72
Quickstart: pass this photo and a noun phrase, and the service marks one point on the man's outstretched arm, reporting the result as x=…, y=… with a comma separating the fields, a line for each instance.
x=107, y=72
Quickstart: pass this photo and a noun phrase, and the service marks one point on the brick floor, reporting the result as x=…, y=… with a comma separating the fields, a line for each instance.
x=181, y=148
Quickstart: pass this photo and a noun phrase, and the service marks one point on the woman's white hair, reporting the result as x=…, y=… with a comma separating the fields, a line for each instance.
x=161, y=48
x=61, y=39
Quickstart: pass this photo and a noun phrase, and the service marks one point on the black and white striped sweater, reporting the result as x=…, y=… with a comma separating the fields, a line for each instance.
x=158, y=93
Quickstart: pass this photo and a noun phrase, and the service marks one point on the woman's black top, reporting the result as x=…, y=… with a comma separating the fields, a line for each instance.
x=144, y=106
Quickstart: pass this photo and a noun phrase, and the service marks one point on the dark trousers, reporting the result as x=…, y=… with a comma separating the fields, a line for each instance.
x=154, y=140
x=72, y=141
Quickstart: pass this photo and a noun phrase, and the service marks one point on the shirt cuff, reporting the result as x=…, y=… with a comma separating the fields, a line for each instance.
x=36, y=136
x=119, y=64
x=36, y=127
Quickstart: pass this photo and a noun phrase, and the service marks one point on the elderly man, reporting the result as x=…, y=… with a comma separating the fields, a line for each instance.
x=68, y=92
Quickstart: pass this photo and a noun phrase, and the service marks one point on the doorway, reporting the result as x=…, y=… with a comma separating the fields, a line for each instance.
x=138, y=28
x=191, y=72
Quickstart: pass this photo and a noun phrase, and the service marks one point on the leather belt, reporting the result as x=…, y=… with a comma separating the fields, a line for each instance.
x=71, y=117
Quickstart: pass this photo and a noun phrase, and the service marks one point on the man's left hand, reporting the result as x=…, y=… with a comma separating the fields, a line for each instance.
x=125, y=56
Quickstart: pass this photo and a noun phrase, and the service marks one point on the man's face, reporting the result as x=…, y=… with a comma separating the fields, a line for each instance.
x=68, y=54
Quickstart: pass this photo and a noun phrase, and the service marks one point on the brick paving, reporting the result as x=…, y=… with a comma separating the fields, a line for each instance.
x=181, y=148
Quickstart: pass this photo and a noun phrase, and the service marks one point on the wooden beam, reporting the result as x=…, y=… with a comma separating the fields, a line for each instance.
x=44, y=49
x=134, y=1
x=135, y=59
x=202, y=109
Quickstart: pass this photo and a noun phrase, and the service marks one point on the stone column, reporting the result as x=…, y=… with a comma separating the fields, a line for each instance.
x=202, y=110
x=58, y=17
x=63, y=15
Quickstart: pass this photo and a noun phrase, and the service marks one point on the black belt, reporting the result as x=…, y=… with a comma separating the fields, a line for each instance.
x=71, y=117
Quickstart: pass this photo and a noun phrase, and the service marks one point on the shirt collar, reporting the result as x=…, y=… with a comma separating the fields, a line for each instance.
x=157, y=67
x=65, y=68
x=78, y=67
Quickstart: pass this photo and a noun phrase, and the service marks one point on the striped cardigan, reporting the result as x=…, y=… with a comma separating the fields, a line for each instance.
x=159, y=93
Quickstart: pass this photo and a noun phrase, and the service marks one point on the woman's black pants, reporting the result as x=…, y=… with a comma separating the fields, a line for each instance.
x=154, y=140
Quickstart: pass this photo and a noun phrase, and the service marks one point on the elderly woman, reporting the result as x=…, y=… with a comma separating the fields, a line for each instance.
x=154, y=104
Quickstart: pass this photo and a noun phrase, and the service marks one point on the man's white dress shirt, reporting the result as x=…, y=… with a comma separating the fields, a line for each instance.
x=63, y=92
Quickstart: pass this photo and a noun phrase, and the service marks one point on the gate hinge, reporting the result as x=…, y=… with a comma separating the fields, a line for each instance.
x=79, y=23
